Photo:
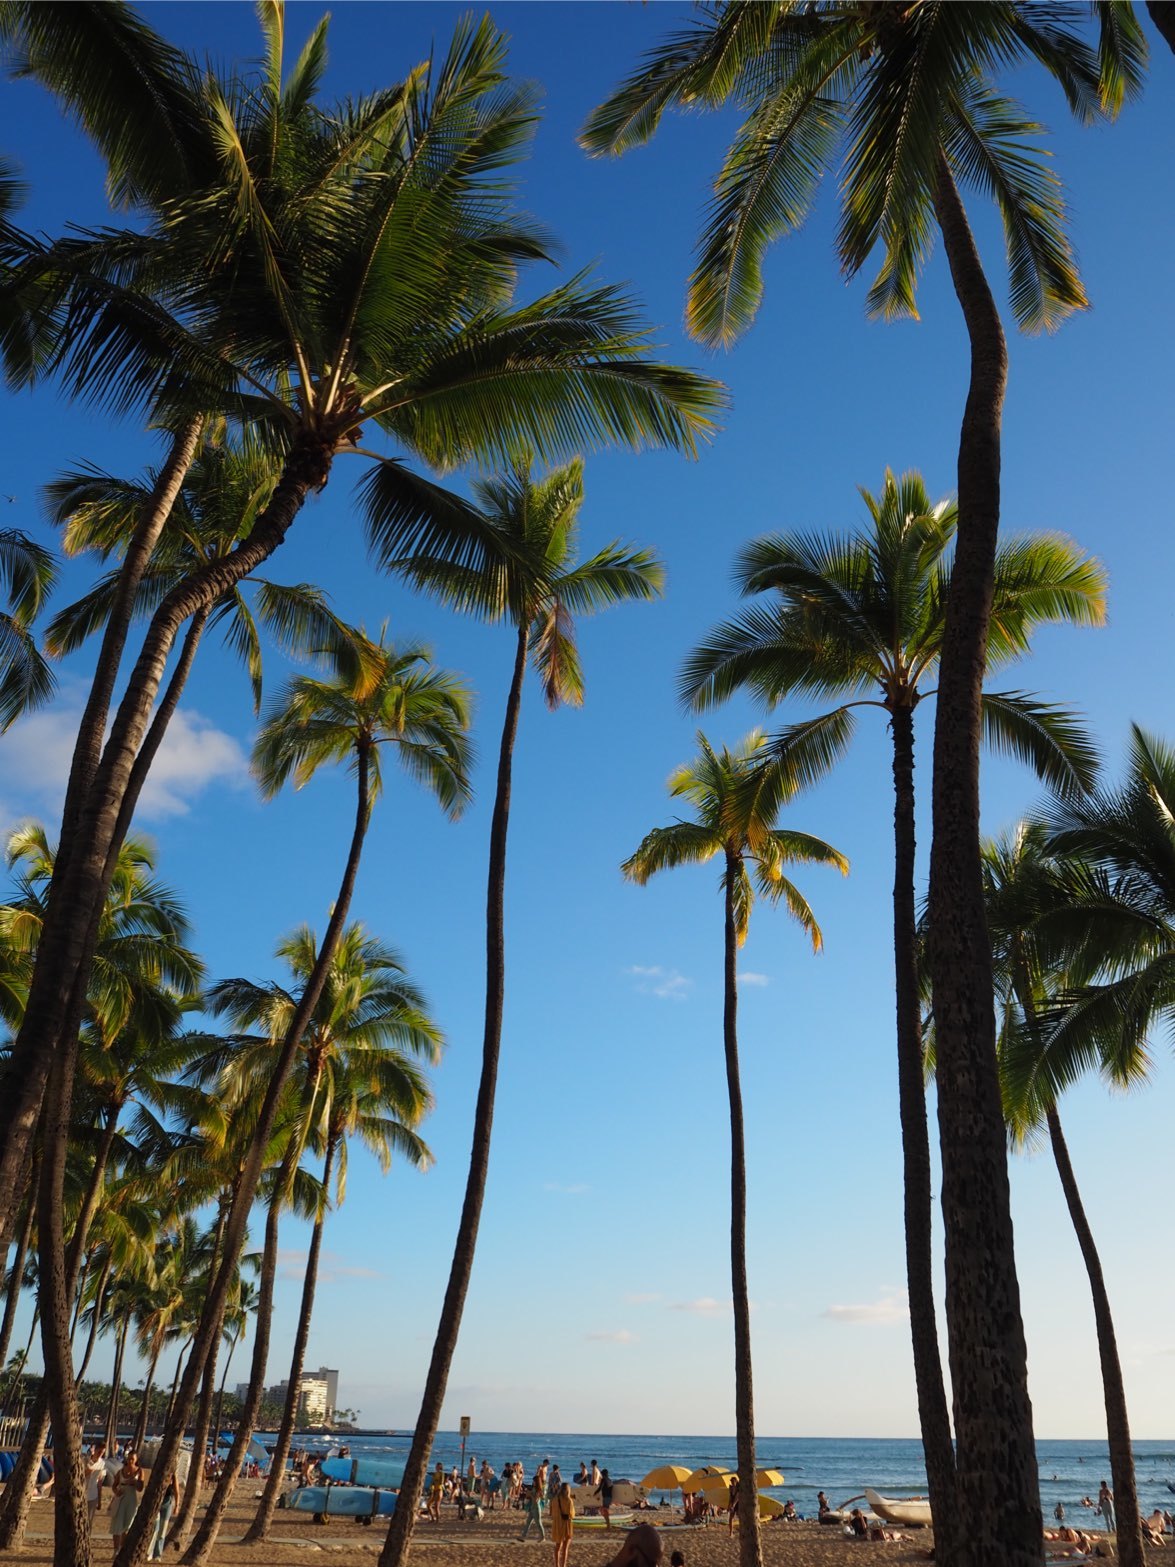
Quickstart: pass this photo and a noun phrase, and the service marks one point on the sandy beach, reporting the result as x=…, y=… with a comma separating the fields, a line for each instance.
x=495, y=1541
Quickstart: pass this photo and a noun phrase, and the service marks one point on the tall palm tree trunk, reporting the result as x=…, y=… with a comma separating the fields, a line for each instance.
x=175, y=1382
x=259, y=1528
x=27, y=1070
x=205, y=1538
x=70, y=930
x=399, y=1540
x=187, y=1508
x=218, y=1422
x=96, y=1320
x=933, y=1415
x=1162, y=14
x=116, y=1388
x=997, y=1482
x=750, y=1544
x=1131, y=1551
x=16, y=1270
x=21, y=1483
x=144, y=1412
x=135, y=1547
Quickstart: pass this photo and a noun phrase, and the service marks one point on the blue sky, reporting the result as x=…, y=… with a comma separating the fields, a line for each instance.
x=600, y=1296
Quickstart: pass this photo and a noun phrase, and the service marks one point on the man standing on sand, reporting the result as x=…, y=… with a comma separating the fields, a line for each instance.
x=95, y=1479
x=594, y=1477
x=1105, y=1500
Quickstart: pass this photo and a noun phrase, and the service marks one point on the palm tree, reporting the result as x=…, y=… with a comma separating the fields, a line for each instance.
x=28, y=572
x=909, y=93
x=862, y=615
x=513, y=561
x=352, y=270
x=1025, y=884
x=359, y=1080
x=735, y=821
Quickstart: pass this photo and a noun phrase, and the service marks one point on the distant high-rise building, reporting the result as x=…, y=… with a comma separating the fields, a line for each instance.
x=331, y=1378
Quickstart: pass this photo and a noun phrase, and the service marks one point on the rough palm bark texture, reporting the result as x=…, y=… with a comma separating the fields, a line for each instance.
x=134, y=1550
x=750, y=1545
x=1131, y=1551
x=1162, y=14
x=27, y=1070
x=933, y=1414
x=66, y=948
x=259, y=1528
x=997, y=1484
x=399, y=1540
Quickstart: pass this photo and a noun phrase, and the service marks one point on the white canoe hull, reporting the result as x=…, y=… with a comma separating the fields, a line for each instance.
x=900, y=1509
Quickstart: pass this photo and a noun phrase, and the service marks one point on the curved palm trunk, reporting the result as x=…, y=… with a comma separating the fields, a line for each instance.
x=135, y=1548
x=1129, y=1534
x=218, y=1422
x=933, y=1415
x=16, y=1271
x=175, y=1382
x=178, y=1532
x=69, y=934
x=18, y=1490
x=750, y=1545
x=259, y=1528
x=145, y=1411
x=99, y=1307
x=205, y=1538
x=1162, y=14
x=997, y=1483
x=399, y=1540
x=28, y=1068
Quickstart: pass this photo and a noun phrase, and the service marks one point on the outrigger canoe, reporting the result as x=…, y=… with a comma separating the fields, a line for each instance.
x=914, y=1511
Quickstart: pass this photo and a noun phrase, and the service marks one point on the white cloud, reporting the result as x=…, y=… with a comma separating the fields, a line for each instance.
x=35, y=759
x=666, y=983
x=292, y=1265
x=577, y=1189
x=706, y=1306
x=748, y=977
x=889, y=1307
x=620, y=1336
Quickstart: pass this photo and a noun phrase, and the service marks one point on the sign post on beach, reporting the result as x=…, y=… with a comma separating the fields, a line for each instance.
x=465, y=1425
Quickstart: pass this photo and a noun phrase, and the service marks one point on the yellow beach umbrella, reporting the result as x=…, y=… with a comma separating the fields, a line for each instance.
x=712, y=1478
x=770, y=1507
x=765, y=1478
x=667, y=1477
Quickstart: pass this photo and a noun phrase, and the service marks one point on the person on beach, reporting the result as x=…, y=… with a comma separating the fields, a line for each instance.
x=562, y=1517
x=436, y=1491
x=641, y=1547
x=167, y=1506
x=124, y=1493
x=1105, y=1501
x=534, y=1506
x=1059, y=1512
x=604, y=1492
x=594, y=1477
x=554, y=1483
x=95, y=1479
x=822, y=1506
x=582, y=1477
x=677, y=1559
x=732, y=1505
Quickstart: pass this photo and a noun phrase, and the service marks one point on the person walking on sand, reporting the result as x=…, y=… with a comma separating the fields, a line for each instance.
x=1105, y=1500
x=436, y=1491
x=534, y=1507
x=732, y=1505
x=604, y=1492
x=95, y=1479
x=128, y=1483
x=594, y=1477
x=167, y=1506
x=562, y=1518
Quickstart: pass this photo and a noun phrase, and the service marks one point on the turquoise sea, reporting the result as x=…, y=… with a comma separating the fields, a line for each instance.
x=840, y=1466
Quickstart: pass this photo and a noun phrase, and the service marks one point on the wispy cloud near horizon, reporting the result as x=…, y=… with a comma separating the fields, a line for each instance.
x=890, y=1306
x=292, y=1265
x=748, y=976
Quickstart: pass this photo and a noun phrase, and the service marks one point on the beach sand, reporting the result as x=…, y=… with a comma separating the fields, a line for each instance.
x=494, y=1542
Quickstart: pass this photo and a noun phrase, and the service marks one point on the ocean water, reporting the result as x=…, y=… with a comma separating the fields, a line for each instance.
x=840, y=1466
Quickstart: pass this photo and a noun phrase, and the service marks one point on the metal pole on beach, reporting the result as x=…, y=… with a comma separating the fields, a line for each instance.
x=465, y=1425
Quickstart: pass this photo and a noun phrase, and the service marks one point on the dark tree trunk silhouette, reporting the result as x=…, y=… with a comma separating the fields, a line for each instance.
x=934, y=1417
x=96, y=1320
x=1131, y=1551
x=26, y=1073
x=175, y=1383
x=750, y=1545
x=138, y=1538
x=997, y=1482
x=178, y=1533
x=16, y=1270
x=1162, y=14
x=116, y=1387
x=259, y=1528
x=18, y=1490
x=69, y=933
x=145, y=1408
x=399, y=1540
